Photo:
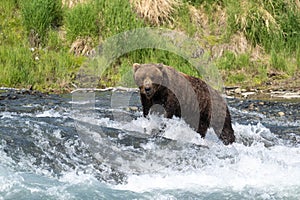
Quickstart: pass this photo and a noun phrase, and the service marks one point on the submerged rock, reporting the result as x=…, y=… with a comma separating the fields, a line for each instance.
x=281, y=113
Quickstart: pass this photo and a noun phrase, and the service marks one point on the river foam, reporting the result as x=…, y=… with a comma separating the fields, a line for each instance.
x=258, y=164
x=53, y=150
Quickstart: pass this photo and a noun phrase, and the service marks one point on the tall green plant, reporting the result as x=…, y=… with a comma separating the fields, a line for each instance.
x=16, y=66
x=82, y=20
x=272, y=24
x=39, y=16
x=116, y=17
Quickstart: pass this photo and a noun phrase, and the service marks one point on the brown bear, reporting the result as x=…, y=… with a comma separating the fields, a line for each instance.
x=184, y=96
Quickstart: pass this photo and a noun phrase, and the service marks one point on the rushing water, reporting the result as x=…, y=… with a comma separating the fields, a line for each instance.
x=59, y=147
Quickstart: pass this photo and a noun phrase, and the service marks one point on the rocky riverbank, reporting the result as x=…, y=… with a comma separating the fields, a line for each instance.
x=292, y=94
x=277, y=94
x=284, y=89
x=281, y=104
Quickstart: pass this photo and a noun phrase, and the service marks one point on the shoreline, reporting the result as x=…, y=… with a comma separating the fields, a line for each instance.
x=279, y=94
x=288, y=94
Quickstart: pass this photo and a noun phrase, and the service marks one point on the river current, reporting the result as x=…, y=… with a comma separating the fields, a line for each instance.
x=97, y=145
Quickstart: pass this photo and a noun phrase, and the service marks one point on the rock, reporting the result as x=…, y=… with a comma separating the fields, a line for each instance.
x=246, y=94
x=238, y=91
x=281, y=114
x=133, y=108
x=12, y=97
x=251, y=106
x=289, y=95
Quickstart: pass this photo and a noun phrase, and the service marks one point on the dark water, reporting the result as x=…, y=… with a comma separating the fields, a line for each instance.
x=97, y=146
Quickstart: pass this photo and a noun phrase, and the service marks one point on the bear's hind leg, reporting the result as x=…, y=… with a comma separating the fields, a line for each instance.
x=202, y=128
x=227, y=134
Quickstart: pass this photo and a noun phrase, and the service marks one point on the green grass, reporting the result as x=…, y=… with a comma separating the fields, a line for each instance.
x=113, y=17
x=298, y=57
x=10, y=24
x=39, y=16
x=278, y=61
x=116, y=17
x=17, y=65
x=240, y=69
x=41, y=69
x=8, y=8
x=122, y=75
x=230, y=61
x=82, y=21
x=46, y=69
x=273, y=26
x=184, y=20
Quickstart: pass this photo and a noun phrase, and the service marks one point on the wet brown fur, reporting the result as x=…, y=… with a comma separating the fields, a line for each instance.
x=184, y=96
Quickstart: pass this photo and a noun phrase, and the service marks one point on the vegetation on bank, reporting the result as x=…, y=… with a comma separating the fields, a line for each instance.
x=45, y=43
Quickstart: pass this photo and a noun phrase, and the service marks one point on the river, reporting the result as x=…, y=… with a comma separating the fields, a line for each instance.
x=89, y=145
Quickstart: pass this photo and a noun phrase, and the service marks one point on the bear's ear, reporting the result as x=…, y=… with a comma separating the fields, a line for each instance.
x=160, y=66
x=136, y=66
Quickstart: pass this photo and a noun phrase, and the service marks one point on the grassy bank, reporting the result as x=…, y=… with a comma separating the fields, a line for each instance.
x=45, y=43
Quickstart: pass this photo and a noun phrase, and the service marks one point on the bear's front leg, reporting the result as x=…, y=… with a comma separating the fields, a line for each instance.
x=172, y=107
x=147, y=104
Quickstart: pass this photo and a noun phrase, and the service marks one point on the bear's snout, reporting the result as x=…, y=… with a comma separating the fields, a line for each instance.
x=147, y=83
x=147, y=86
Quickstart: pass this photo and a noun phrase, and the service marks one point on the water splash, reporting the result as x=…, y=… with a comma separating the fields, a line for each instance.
x=43, y=155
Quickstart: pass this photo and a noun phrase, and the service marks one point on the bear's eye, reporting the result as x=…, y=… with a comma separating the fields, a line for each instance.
x=139, y=83
x=155, y=79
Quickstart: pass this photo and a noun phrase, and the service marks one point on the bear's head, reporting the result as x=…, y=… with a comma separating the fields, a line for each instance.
x=148, y=77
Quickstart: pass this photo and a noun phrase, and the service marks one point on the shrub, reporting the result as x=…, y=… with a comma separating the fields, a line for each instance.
x=116, y=17
x=278, y=61
x=298, y=57
x=39, y=16
x=272, y=24
x=55, y=67
x=16, y=65
x=81, y=21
